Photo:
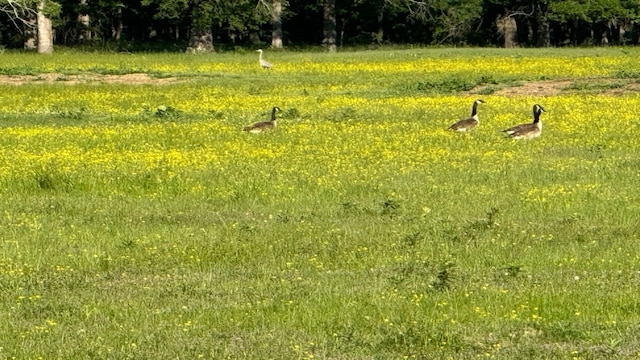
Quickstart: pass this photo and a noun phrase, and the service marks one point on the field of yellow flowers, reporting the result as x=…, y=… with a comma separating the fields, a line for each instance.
x=138, y=220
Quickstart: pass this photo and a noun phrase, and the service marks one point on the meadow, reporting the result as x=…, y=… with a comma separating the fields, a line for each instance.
x=138, y=221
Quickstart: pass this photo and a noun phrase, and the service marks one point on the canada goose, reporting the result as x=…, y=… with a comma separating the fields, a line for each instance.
x=264, y=125
x=528, y=131
x=469, y=123
x=264, y=63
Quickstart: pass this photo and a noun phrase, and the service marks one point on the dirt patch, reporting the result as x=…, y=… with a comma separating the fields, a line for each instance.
x=535, y=88
x=530, y=88
x=137, y=79
x=555, y=87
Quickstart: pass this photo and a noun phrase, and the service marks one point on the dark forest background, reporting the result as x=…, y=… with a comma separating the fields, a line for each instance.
x=209, y=25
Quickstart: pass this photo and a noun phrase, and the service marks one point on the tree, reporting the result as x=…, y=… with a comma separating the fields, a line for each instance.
x=541, y=28
x=506, y=14
x=85, y=21
x=23, y=17
x=272, y=10
x=45, y=30
x=201, y=34
x=207, y=19
x=632, y=8
x=508, y=28
x=276, y=21
x=329, y=22
x=34, y=16
x=450, y=20
x=330, y=25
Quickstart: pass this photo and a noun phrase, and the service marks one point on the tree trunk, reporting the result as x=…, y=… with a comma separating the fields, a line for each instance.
x=544, y=32
x=276, y=21
x=116, y=31
x=508, y=27
x=201, y=41
x=85, y=21
x=574, y=32
x=45, y=31
x=379, y=36
x=330, y=27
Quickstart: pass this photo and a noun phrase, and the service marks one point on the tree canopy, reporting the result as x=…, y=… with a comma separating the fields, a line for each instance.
x=177, y=24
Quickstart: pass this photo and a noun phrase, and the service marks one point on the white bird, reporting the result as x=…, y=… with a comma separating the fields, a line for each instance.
x=468, y=123
x=264, y=63
x=528, y=131
x=264, y=125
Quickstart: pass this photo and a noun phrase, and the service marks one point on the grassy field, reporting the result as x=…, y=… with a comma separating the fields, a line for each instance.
x=138, y=221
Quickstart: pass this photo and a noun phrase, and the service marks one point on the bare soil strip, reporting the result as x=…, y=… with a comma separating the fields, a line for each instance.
x=531, y=88
x=535, y=88
x=604, y=86
x=132, y=79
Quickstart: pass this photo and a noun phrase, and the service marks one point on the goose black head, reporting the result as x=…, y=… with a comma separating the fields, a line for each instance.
x=538, y=109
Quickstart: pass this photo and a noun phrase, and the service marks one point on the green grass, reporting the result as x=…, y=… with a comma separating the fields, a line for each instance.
x=351, y=232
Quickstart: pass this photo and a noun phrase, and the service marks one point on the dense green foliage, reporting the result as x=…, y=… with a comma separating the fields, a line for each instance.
x=169, y=24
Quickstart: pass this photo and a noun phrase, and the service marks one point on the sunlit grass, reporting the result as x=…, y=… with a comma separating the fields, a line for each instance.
x=140, y=221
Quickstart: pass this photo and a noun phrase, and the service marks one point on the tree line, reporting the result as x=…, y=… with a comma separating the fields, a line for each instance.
x=204, y=25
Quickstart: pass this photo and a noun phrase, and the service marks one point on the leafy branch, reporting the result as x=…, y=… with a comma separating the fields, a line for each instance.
x=20, y=12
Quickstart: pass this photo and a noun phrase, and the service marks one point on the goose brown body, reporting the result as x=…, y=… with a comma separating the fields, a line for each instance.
x=469, y=123
x=264, y=125
x=528, y=131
